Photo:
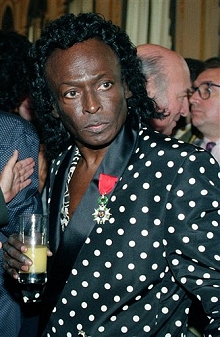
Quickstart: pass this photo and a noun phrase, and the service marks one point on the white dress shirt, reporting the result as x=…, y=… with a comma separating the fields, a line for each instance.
x=216, y=149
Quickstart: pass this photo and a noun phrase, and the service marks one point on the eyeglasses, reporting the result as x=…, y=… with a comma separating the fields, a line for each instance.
x=204, y=90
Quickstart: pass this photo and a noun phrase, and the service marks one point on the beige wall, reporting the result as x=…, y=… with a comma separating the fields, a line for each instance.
x=197, y=28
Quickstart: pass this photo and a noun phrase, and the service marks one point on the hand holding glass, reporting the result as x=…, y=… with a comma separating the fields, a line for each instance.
x=33, y=233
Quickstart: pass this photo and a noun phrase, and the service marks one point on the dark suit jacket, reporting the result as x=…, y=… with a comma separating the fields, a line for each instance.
x=3, y=210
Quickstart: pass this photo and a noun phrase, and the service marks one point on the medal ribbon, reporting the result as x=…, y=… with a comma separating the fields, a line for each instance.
x=106, y=183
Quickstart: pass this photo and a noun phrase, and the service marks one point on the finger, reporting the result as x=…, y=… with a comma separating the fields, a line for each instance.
x=25, y=183
x=22, y=174
x=13, y=245
x=25, y=164
x=19, y=177
x=49, y=253
x=12, y=160
x=21, y=262
x=10, y=271
x=24, y=170
x=14, y=260
x=13, y=240
x=28, y=173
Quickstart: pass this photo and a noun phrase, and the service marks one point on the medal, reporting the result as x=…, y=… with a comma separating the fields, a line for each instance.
x=106, y=185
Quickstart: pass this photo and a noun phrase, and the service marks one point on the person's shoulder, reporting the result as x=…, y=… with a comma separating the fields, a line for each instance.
x=158, y=140
x=174, y=153
x=13, y=118
x=10, y=122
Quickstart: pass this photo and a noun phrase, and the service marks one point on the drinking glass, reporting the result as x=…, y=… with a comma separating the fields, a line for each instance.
x=33, y=232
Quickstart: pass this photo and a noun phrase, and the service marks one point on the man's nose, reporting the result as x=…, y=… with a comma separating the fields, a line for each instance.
x=91, y=102
x=185, y=107
x=194, y=97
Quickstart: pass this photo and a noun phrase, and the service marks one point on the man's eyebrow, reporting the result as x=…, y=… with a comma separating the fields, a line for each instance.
x=203, y=82
x=185, y=92
x=76, y=81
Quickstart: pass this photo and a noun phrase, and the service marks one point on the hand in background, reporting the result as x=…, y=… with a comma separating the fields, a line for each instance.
x=15, y=176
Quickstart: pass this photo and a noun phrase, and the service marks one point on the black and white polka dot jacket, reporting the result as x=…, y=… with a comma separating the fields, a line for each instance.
x=134, y=273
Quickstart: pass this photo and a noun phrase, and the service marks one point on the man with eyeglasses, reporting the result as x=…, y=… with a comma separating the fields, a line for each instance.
x=205, y=108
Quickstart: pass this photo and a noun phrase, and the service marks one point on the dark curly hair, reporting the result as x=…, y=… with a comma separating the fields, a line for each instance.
x=14, y=87
x=64, y=33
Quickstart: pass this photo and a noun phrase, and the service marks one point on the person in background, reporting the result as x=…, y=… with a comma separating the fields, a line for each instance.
x=14, y=87
x=14, y=50
x=210, y=110
x=205, y=108
x=195, y=67
x=13, y=178
x=184, y=129
x=167, y=82
x=166, y=75
x=130, y=208
x=16, y=133
x=212, y=62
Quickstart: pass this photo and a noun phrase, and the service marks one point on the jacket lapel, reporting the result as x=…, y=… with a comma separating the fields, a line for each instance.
x=114, y=164
x=58, y=189
x=81, y=223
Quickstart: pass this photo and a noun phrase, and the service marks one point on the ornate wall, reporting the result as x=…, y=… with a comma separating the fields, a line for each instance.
x=195, y=25
x=29, y=16
x=198, y=28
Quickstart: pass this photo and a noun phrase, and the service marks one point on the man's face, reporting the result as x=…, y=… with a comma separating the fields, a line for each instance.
x=206, y=113
x=174, y=99
x=90, y=95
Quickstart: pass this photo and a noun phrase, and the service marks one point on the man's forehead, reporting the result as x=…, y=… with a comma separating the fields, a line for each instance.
x=92, y=48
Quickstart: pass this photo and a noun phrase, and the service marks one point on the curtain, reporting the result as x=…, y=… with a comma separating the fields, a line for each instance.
x=148, y=21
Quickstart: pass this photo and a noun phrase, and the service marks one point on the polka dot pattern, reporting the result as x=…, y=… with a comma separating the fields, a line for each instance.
x=133, y=274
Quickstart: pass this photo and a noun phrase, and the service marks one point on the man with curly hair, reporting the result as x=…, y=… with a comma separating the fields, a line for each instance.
x=133, y=213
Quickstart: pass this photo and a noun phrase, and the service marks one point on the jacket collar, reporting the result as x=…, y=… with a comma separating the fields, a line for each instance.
x=114, y=163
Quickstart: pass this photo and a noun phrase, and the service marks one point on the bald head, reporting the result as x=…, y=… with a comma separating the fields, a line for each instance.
x=162, y=65
x=154, y=49
x=167, y=81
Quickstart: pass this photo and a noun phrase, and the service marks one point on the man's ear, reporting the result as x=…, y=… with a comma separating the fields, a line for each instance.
x=127, y=92
x=54, y=112
x=150, y=87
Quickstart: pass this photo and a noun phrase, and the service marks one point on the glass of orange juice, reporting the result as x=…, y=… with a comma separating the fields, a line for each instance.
x=33, y=232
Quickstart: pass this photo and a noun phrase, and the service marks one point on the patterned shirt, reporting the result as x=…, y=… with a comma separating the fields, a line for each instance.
x=16, y=133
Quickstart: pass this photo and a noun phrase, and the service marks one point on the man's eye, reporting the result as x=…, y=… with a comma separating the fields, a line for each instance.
x=70, y=94
x=181, y=98
x=208, y=90
x=105, y=86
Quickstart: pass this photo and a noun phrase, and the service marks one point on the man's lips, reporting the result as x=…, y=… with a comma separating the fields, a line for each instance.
x=96, y=127
x=195, y=111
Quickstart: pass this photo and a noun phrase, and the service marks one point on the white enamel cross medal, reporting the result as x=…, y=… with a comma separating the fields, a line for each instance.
x=106, y=185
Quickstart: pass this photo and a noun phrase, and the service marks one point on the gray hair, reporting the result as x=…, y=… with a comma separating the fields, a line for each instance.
x=152, y=67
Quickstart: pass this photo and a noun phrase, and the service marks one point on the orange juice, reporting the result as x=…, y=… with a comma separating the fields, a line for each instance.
x=38, y=254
